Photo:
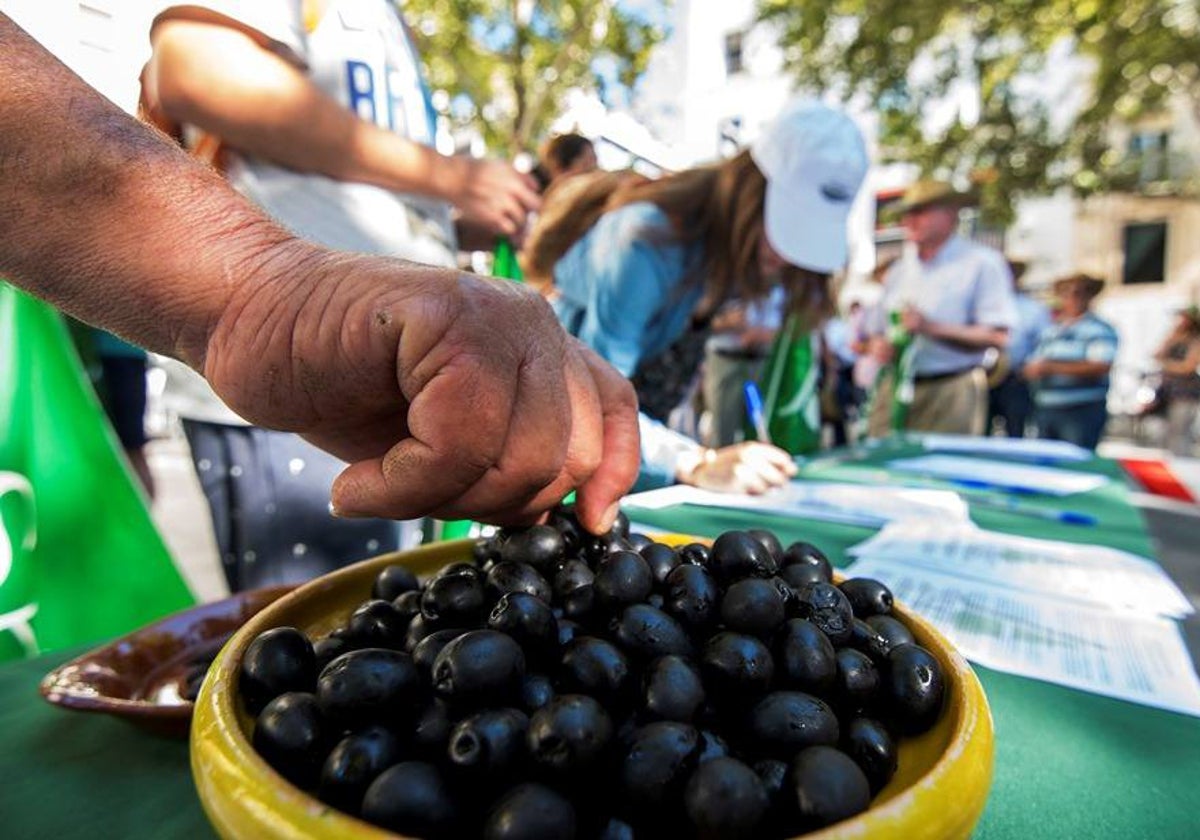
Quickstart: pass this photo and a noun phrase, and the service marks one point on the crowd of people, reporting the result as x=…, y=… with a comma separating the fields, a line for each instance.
x=318, y=319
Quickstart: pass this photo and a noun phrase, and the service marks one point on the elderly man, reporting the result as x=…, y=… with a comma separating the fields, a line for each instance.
x=953, y=300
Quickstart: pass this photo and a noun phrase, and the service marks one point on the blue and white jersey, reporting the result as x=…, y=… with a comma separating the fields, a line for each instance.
x=1087, y=339
x=359, y=53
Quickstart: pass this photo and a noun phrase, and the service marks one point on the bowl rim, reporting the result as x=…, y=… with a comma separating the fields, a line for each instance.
x=970, y=736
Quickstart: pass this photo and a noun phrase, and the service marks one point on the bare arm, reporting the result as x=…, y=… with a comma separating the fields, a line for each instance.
x=965, y=336
x=1185, y=366
x=454, y=396
x=220, y=80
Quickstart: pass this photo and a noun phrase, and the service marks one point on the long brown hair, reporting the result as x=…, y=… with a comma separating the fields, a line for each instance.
x=720, y=208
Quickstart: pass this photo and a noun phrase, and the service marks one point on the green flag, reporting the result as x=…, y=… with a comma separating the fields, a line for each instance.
x=791, y=398
x=902, y=371
x=80, y=559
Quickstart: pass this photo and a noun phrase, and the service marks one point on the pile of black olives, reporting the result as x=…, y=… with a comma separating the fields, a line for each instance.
x=568, y=685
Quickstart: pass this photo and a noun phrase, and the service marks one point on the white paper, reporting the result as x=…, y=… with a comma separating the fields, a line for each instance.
x=1123, y=655
x=1099, y=575
x=988, y=474
x=854, y=504
x=1026, y=449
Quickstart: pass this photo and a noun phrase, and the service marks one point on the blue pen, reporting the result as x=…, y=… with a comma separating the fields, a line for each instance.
x=754, y=408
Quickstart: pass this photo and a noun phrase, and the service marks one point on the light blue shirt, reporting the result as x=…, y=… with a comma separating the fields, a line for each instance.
x=1033, y=319
x=1088, y=339
x=964, y=284
x=622, y=293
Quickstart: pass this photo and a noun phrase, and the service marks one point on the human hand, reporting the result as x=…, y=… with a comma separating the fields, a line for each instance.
x=750, y=467
x=881, y=349
x=492, y=195
x=1034, y=370
x=913, y=321
x=452, y=396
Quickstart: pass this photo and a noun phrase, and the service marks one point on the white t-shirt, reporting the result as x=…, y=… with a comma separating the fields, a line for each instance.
x=359, y=53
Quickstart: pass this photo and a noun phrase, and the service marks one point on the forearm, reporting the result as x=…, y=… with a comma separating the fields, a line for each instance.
x=1087, y=370
x=968, y=336
x=220, y=81
x=107, y=219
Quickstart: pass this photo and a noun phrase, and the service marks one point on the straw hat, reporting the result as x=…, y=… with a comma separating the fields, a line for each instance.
x=928, y=192
x=1091, y=286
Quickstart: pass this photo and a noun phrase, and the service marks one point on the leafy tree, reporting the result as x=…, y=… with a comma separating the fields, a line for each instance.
x=907, y=55
x=509, y=63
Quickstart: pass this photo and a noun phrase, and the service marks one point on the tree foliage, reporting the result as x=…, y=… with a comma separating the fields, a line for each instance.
x=510, y=62
x=906, y=56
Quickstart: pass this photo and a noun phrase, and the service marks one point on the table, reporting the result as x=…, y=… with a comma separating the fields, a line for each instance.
x=1068, y=764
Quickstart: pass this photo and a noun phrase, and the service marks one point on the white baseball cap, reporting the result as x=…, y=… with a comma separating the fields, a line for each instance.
x=814, y=159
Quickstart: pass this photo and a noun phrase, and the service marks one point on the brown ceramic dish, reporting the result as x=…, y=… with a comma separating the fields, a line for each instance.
x=144, y=677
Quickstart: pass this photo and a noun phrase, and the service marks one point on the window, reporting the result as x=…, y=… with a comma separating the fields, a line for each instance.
x=1145, y=253
x=1148, y=151
x=733, y=52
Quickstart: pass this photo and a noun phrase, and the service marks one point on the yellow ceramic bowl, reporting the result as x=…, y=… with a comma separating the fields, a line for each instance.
x=938, y=792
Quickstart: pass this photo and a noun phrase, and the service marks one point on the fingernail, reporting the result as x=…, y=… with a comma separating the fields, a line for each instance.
x=610, y=516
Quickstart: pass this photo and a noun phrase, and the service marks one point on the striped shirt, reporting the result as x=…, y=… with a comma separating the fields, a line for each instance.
x=1087, y=339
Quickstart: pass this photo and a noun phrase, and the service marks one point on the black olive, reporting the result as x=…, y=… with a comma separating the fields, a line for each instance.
x=530, y=622
x=593, y=549
x=541, y=546
x=672, y=689
x=725, y=798
x=736, y=666
x=694, y=554
x=769, y=541
x=568, y=631
x=890, y=628
x=454, y=600
x=426, y=651
x=712, y=746
x=291, y=734
x=662, y=560
x=644, y=633
x=753, y=606
x=574, y=589
x=692, y=597
x=378, y=624
x=277, y=661
x=808, y=554
x=867, y=596
x=570, y=735
x=620, y=544
x=431, y=729
x=413, y=799
x=531, y=811
x=354, y=763
x=485, y=550
x=615, y=829
x=799, y=575
x=408, y=604
x=825, y=606
x=639, y=541
x=490, y=743
x=516, y=577
x=598, y=668
x=785, y=722
x=393, y=582
x=873, y=749
x=804, y=658
x=622, y=578
x=368, y=686
x=857, y=680
x=660, y=759
x=572, y=534
x=863, y=637
x=780, y=818
x=419, y=628
x=481, y=667
x=536, y=691
x=620, y=527
x=829, y=787
x=913, y=686
x=736, y=555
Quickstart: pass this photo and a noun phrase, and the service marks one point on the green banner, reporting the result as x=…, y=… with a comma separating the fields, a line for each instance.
x=80, y=558
x=791, y=397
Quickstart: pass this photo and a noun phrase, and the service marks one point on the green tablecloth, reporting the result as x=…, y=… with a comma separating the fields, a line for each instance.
x=1068, y=764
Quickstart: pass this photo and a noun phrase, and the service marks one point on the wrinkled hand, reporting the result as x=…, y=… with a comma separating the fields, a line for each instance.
x=493, y=195
x=451, y=395
x=749, y=467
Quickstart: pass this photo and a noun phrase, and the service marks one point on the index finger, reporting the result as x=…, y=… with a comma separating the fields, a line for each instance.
x=597, y=498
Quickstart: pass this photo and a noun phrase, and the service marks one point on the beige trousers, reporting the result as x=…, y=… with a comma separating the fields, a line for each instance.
x=954, y=405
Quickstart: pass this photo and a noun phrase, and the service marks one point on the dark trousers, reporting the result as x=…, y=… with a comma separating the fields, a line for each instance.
x=268, y=493
x=1012, y=402
x=1081, y=424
